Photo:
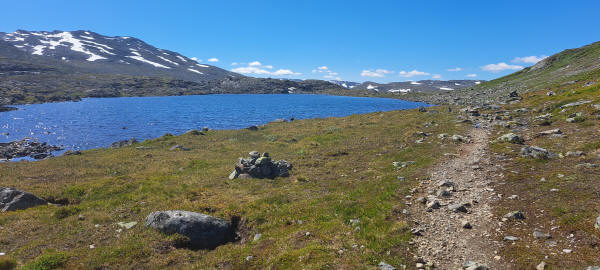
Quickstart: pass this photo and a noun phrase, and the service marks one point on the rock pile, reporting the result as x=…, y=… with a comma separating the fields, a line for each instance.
x=260, y=166
x=26, y=147
x=12, y=199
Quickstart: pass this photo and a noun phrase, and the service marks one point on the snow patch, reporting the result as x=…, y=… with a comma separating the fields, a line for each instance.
x=193, y=70
x=200, y=65
x=138, y=57
x=167, y=60
x=446, y=88
x=415, y=83
x=399, y=90
x=181, y=58
x=39, y=50
x=86, y=37
x=477, y=82
x=370, y=87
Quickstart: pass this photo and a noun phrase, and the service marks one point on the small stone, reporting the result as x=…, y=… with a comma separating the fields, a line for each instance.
x=433, y=205
x=593, y=268
x=515, y=215
x=511, y=238
x=443, y=193
x=80, y=217
x=2, y=254
x=417, y=231
x=384, y=266
x=422, y=200
x=513, y=197
x=457, y=207
x=567, y=250
x=541, y=235
x=420, y=266
x=254, y=154
x=541, y=266
x=472, y=265
x=445, y=184
x=127, y=225
x=249, y=258
x=257, y=237
x=466, y=225
x=406, y=212
x=307, y=234
x=597, y=225
x=92, y=247
x=497, y=258
x=511, y=138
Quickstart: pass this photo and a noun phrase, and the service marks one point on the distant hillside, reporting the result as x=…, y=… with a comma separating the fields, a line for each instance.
x=54, y=66
x=417, y=86
x=571, y=63
x=580, y=65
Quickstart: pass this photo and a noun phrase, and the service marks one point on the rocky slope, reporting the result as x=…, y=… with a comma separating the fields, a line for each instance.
x=424, y=86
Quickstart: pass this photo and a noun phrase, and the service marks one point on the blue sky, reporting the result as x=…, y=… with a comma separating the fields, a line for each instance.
x=380, y=41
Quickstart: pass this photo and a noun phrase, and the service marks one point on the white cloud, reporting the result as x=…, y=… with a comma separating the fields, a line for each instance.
x=454, y=69
x=281, y=72
x=472, y=75
x=257, y=68
x=436, y=76
x=500, y=67
x=328, y=73
x=529, y=59
x=380, y=73
x=234, y=63
x=412, y=73
x=213, y=60
x=196, y=59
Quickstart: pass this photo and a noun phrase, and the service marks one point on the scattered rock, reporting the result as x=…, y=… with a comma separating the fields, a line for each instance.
x=280, y=120
x=586, y=165
x=127, y=225
x=541, y=266
x=574, y=153
x=205, y=129
x=466, y=225
x=457, y=207
x=568, y=251
x=536, y=152
x=443, y=193
x=253, y=128
x=179, y=147
x=511, y=138
x=203, y=231
x=511, y=238
x=574, y=104
x=597, y=225
x=550, y=93
x=593, y=268
x=194, y=132
x=541, y=235
x=403, y=164
x=384, y=266
x=550, y=132
x=123, y=143
x=471, y=265
x=26, y=147
x=257, y=166
x=12, y=199
x=257, y=237
x=515, y=215
x=459, y=138
x=445, y=184
x=72, y=153
x=433, y=205
x=417, y=231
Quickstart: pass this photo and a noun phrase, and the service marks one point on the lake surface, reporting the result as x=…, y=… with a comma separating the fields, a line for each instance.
x=98, y=122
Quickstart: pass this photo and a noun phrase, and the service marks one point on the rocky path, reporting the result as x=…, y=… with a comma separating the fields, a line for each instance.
x=453, y=220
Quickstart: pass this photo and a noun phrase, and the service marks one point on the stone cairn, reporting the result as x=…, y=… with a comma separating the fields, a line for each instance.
x=260, y=166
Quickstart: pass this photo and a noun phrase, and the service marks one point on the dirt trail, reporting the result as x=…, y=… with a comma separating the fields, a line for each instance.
x=443, y=239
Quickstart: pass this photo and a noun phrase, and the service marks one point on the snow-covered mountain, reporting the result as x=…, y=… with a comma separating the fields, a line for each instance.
x=345, y=84
x=92, y=52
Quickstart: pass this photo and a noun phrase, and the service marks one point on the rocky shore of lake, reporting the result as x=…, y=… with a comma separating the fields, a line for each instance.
x=27, y=148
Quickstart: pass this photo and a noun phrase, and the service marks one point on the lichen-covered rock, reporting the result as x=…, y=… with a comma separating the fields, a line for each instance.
x=12, y=199
x=260, y=166
x=511, y=138
x=204, y=231
x=123, y=143
x=536, y=152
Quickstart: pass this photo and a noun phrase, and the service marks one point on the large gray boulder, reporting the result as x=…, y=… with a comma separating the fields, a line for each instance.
x=204, y=231
x=12, y=199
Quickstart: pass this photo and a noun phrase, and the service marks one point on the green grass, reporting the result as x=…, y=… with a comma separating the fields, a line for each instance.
x=342, y=170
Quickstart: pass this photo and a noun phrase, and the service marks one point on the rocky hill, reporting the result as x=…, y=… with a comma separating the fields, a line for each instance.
x=568, y=67
x=90, y=52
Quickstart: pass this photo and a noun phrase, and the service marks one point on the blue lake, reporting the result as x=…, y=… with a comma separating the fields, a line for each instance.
x=97, y=122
